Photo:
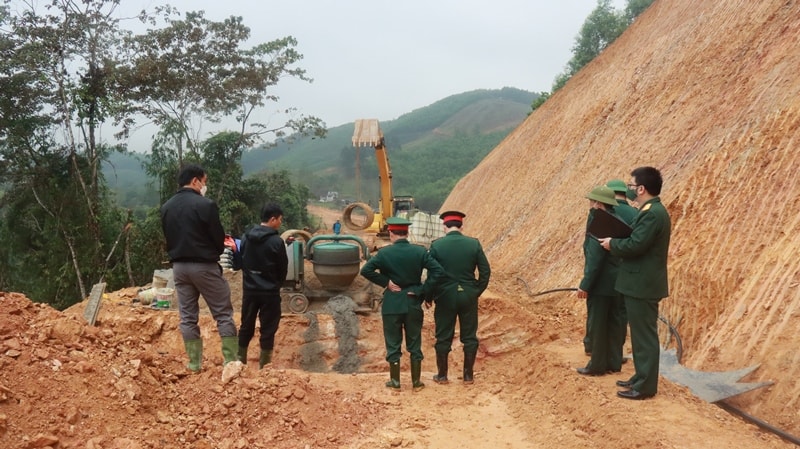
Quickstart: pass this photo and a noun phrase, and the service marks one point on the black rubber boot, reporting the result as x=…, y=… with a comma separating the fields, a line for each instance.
x=416, y=368
x=394, y=375
x=242, y=355
x=469, y=362
x=441, y=365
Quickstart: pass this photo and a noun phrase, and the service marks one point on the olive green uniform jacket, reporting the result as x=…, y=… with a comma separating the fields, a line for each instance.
x=625, y=211
x=402, y=263
x=643, y=271
x=458, y=291
x=642, y=280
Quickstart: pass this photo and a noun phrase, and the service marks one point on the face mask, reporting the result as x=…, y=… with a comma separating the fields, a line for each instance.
x=203, y=190
x=630, y=194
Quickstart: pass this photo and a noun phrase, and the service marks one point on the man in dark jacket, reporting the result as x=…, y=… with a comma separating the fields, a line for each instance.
x=195, y=240
x=642, y=279
x=398, y=268
x=264, y=263
x=457, y=293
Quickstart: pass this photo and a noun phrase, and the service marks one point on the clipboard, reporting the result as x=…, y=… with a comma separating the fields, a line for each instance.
x=606, y=225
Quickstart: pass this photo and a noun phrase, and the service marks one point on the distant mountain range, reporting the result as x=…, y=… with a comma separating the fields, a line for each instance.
x=429, y=150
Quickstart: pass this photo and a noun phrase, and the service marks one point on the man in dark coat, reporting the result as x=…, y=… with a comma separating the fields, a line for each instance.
x=603, y=303
x=264, y=263
x=642, y=279
x=457, y=293
x=195, y=241
x=398, y=268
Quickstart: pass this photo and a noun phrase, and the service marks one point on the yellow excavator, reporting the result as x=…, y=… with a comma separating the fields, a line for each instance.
x=368, y=133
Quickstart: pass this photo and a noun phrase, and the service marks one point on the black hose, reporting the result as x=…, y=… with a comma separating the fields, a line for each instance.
x=674, y=333
x=752, y=419
x=567, y=289
x=728, y=407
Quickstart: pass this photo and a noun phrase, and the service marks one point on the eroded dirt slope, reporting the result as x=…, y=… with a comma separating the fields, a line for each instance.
x=707, y=92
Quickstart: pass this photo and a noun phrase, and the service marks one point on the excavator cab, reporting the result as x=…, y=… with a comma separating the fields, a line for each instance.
x=403, y=204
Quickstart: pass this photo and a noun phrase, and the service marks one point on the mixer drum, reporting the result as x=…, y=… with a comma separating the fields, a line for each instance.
x=336, y=264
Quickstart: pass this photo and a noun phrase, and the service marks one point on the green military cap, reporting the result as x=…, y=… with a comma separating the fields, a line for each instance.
x=397, y=224
x=602, y=194
x=617, y=185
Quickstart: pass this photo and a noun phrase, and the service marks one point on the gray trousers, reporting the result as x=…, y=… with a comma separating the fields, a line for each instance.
x=193, y=279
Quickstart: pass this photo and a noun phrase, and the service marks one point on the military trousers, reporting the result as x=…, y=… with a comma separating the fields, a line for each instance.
x=451, y=307
x=643, y=319
x=395, y=326
x=606, y=330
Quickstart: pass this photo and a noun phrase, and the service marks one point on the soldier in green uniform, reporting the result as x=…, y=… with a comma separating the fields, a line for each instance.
x=642, y=279
x=398, y=268
x=623, y=210
x=628, y=214
x=457, y=293
x=603, y=302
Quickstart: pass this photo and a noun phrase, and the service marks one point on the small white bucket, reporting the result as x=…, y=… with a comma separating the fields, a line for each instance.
x=164, y=297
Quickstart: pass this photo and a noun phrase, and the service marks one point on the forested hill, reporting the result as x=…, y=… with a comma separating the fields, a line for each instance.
x=429, y=148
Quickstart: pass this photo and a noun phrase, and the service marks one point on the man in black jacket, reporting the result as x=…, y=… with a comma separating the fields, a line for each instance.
x=195, y=240
x=264, y=263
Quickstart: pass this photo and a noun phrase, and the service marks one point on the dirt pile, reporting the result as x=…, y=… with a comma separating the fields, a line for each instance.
x=122, y=385
x=707, y=92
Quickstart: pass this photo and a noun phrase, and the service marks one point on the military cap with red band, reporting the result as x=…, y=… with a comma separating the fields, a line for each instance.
x=452, y=215
x=397, y=224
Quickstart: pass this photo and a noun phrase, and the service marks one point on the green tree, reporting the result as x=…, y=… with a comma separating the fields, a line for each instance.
x=67, y=70
x=602, y=27
x=60, y=85
x=196, y=70
x=636, y=7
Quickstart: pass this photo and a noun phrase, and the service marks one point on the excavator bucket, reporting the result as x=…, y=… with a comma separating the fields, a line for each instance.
x=367, y=133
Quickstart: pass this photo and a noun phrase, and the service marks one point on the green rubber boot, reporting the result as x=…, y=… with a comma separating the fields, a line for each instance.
x=264, y=358
x=416, y=368
x=394, y=375
x=194, y=349
x=242, y=355
x=230, y=349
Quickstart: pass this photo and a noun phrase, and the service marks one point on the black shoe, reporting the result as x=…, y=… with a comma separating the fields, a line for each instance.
x=588, y=372
x=614, y=371
x=624, y=383
x=633, y=394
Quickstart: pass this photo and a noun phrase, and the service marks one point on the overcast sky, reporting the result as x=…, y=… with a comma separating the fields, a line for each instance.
x=381, y=59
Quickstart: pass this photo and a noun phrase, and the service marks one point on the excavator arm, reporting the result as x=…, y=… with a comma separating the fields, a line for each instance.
x=368, y=133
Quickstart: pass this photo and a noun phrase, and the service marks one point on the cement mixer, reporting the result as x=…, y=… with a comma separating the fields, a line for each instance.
x=337, y=261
